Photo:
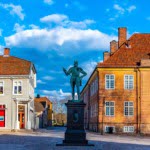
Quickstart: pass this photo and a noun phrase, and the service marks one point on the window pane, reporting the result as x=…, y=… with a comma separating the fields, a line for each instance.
x=130, y=110
x=112, y=111
x=15, y=89
x=19, y=89
x=126, y=111
x=107, y=111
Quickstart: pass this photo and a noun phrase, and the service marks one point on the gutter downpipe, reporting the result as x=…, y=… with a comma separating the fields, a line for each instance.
x=138, y=101
x=98, y=98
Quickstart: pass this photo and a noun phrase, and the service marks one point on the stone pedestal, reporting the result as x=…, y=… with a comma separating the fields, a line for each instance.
x=75, y=134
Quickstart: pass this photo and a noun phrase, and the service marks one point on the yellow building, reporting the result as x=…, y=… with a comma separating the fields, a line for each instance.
x=117, y=93
x=43, y=110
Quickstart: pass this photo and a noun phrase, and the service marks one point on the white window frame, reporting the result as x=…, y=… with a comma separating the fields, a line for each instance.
x=109, y=106
x=3, y=88
x=128, y=82
x=126, y=129
x=108, y=127
x=21, y=86
x=128, y=109
x=106, y=84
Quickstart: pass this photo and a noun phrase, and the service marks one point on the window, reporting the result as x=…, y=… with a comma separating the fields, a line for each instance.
x=109, y=128
x=128, y=108
x=109, y=108
x=109, y=82
x=17, y=88
x=128, y=82
x=1, y=87
x=128, y=129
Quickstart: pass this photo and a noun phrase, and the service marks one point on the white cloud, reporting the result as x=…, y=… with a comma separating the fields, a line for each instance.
x=48, y=78
x=49, y=2
x=119, y=8
x=1, y=30
x=88, y=66
x=32, y=26
x=131, y=8
x=120, y=11
x=60, y=39
x=63, y=20
x=40, y=82
x=1, y=49
x=57, y=95
x=14, y=10
x=54, y=18
x=18, y=27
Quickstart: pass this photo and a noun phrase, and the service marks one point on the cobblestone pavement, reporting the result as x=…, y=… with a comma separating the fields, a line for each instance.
x=47, y=139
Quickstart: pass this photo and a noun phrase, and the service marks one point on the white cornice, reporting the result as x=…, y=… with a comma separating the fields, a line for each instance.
x=13, y=76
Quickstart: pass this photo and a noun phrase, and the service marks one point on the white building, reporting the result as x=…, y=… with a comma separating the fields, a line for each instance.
x=17, y=83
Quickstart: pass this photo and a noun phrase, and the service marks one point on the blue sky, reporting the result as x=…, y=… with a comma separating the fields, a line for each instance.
x=54, y=33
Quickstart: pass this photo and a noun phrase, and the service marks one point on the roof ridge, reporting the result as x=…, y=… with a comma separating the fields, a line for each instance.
x=17, y=58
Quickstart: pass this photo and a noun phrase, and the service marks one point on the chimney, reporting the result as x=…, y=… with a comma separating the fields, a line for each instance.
x=38, y=96
x=6, y=52
x=122, y=36
x=106, y=55
x=113, y=46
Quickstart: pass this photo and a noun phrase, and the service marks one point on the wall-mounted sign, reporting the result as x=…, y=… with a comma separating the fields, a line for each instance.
x=1, y=118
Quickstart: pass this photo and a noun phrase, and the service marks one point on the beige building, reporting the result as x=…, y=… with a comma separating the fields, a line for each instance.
x=117, y=94
x=17, y=83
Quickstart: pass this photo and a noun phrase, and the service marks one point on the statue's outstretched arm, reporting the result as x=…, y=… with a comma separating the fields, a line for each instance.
x=67, y=72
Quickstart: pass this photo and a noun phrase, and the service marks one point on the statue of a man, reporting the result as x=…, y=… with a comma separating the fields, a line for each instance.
x=75, y=79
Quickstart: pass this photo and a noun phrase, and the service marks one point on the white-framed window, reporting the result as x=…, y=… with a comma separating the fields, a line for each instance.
x=1, y=87
x=109, y=108
x=128, y=129
x=17, y=87
x=128, y=109
x=128, y=82
x=109, y=81
x=109, y=128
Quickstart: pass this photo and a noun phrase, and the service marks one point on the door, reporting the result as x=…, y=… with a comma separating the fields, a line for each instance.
x=21, y=118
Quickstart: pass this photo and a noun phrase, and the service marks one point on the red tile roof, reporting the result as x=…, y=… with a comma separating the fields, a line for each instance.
x=130, y=57
x=14, y=66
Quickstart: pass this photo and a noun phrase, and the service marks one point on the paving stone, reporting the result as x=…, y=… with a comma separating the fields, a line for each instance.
x=46, y=140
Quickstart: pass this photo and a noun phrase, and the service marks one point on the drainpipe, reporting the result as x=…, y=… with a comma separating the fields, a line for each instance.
x=103, y=105
x=139, y=101
x=138, y=76
x=11, y=104
x=98, y=98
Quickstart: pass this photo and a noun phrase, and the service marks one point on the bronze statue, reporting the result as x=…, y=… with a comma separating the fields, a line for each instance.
x=76, y=79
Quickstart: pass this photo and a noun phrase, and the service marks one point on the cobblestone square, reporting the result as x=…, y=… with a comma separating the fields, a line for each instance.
x=47, y=139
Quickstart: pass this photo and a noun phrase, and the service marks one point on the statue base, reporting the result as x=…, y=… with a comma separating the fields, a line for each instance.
x=75, y=134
